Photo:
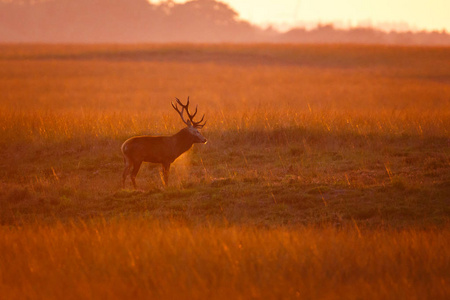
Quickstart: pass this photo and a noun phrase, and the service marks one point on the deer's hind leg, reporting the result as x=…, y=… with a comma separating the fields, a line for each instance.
x=127, y=170
x=134, y=171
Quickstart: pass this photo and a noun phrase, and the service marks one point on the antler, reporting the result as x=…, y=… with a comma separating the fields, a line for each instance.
x=182, y=110
x=190, y=122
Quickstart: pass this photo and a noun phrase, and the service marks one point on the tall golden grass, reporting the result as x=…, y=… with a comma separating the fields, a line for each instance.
x=325, y=175
x=142, y=259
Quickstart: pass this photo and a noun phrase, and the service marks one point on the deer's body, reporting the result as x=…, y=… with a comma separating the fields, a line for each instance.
x=159, y=149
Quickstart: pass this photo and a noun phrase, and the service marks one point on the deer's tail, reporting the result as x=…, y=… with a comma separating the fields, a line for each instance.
x=123, y=149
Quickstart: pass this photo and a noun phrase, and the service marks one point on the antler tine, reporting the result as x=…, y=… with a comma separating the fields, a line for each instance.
x=186, y=106
x=174, y=106
x=190, y=116
x=200, y=126
x=197, y=124
x=182, y=105
x=201, y=120
x=182, y=110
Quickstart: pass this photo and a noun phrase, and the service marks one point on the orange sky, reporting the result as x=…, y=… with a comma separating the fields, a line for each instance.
x=388, y=14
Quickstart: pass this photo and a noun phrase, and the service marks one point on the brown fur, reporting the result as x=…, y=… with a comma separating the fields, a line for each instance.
x=157, y=149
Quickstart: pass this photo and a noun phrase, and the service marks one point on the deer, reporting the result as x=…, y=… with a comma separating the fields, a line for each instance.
x=162, y=149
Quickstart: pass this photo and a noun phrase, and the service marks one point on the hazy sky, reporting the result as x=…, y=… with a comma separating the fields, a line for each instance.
x=418, y=14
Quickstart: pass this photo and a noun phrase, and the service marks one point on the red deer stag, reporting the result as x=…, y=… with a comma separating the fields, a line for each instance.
x=161, y=149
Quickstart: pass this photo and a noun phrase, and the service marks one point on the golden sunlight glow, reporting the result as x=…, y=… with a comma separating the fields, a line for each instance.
x=386, y=14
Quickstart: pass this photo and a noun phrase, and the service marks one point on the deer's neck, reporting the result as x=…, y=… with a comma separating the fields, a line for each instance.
x=183, y=142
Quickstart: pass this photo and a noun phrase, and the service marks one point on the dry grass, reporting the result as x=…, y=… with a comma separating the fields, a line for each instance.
x=326, y=174
x=140, y=258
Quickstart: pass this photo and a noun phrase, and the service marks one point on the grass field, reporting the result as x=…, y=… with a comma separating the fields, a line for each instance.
x=326, y=173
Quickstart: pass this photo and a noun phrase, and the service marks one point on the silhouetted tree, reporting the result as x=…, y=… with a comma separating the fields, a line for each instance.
x=91, y=21
x=121, y=21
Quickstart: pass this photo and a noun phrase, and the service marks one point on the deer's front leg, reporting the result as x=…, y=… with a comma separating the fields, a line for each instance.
x=165, y=171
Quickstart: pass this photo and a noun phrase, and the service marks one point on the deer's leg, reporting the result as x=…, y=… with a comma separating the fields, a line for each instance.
x=165, y=170
x=136, y=166
x=126, y=171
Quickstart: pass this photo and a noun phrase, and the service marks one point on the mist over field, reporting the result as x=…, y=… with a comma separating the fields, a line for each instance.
x=197, y=21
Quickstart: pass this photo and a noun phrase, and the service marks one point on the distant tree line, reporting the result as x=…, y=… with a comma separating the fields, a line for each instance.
x=364, y=35
x=138, y=21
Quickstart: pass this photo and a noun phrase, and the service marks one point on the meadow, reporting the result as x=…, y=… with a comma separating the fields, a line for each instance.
x=326, y=173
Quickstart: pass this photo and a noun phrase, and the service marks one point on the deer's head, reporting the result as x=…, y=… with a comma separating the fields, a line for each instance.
x=192, y=126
